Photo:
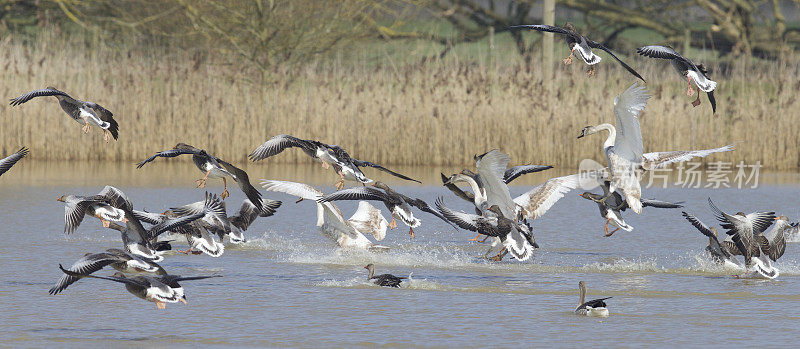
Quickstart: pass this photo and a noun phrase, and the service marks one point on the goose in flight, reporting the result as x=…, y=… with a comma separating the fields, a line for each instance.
x=347, y=233
x=345, y=166
x=744, y=230
x=612, y=208
x=696, y=73
x=157, y=289
x=116, y=258
x=595, y=307
x=108, y=205
x=86, y=113
x=7, y=162
x=580, y=43
x=515, y=237
x=213, y=167
x=398, y=204
x=384, y=280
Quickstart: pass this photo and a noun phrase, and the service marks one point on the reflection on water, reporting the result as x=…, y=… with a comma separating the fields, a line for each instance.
x=288, y=286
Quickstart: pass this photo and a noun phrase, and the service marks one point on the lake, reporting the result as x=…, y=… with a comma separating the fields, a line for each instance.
x=289, y=286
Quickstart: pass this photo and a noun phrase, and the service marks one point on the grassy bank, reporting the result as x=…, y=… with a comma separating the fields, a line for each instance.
x=385, y=111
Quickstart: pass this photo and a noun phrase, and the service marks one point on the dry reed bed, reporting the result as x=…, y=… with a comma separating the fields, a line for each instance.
x=439, y=114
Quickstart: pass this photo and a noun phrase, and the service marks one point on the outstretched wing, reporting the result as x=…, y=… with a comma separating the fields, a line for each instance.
x=300, y=190
x=357, y=193
x=124, y=280
x=464, y=220
x=360, y=163
x=627, y=107
x=422, y=205
x=663, y=52
x=657, y=160
x=661, y=204
x=116, y=198
x=595, y=44
x=86, y=265
x=75, y=210
x=244, y=183
x=279, y=143
x=541, y=198
x=542, y=28
x=7, y=162
x=167, y=154
x=513, y=172
x=38, y=93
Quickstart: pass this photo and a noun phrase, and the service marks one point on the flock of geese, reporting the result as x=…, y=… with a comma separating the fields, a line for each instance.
x=505, y=220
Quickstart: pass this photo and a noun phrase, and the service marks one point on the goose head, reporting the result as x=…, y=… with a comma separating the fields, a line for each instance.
x=570, y=27
x=591, y=196
x=381, y=185
x=588, y=130
x=496, y=210
x=62, y=198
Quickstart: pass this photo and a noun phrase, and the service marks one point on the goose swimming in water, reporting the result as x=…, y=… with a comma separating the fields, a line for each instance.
x=7, y=162
x=595, y=307
x=116, y=258
x=580, y=43
x=347, y=233
x=611, y=209
x=330, y=155
x=744, y=230
x=213, y=167
x=85, y=113
x=696, y=73
x=384, y=280
x=157, y=289
x=108, y=205
x=398, y=204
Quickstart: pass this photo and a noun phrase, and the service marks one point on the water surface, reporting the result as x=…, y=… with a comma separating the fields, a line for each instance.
x=289, y=286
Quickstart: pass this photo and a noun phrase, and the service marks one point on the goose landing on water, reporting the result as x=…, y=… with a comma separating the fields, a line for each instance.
x=611, y=209
x=157, y=289
x=624, y=147
x=399, y=204
x=595, y=307
x=86, y=113
x=348, y=233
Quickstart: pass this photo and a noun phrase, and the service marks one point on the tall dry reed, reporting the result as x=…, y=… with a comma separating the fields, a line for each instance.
x=438, y=114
